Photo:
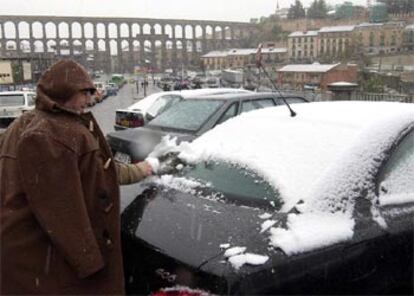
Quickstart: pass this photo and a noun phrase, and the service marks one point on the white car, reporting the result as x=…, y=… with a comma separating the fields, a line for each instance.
x=151, y=106
x=13, y=104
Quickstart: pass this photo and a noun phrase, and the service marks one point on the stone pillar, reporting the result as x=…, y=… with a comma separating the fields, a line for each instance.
x=108, y=60
x=2, y=41
x=31, y=38
x=70, y=40
x=18, y=49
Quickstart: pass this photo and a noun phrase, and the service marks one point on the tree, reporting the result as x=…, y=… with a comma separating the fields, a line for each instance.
x=318, y=10
x=296, y=11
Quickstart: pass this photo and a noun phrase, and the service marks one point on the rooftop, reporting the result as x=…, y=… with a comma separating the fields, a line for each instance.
x=315, y=68
x=337, y=29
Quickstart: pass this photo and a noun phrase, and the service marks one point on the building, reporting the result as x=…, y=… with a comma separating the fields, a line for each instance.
x=242, y=57
x=300, y=77
x=408, y=37
x=379, y=38
x=215, y=60
x=303, y=45
x=335, y=41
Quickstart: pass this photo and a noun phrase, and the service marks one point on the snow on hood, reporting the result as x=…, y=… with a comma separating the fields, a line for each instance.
x=323, y=156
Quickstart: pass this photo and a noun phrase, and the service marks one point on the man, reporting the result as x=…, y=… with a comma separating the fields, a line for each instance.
x=59, y=192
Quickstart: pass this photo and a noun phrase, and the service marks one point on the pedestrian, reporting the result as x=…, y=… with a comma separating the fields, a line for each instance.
x=59, y=192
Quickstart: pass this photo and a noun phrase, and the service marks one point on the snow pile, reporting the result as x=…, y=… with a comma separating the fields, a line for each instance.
x=311, y=231
x=178, y=183
x=238, y=259
x=248, y=258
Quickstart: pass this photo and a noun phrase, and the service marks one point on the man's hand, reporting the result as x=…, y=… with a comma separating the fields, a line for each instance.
x=145, y=167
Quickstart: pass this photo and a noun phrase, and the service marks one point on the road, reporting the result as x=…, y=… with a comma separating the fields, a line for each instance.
x=105, y=112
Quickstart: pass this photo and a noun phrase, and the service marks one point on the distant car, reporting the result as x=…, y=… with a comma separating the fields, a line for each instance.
x=111, y=89
x=151, y=106
x=101, y=91
x=187, y=120
x=268, y=204
x=213, y=82
x=13, y=104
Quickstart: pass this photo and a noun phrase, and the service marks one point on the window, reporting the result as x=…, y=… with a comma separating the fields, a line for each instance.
x=236, y=183
x=162, y=104
x=30, y=100
x=230, y=112
x=396, y=183
x=11, y=100
x=187, y=115
x=256, y=104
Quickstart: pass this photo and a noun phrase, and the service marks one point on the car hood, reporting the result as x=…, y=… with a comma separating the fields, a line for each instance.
x=192, y=229
x=139, y=142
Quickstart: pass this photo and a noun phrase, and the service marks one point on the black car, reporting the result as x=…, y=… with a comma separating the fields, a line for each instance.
x=320, y=203
x=187, y=120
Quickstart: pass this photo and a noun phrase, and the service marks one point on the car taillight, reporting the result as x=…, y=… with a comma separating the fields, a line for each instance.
x=136, y=121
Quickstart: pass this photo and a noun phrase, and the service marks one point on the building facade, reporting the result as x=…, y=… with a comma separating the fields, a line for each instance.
x=302, y=76
x=303, y=45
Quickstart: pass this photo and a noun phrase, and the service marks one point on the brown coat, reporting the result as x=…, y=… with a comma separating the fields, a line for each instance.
x=60, y=224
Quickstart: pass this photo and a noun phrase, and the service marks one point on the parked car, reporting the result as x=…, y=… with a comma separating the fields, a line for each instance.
x=13, y=104
x=151, y=106
x=188, y=119
x=111, y=89
x=213, y=82
x=320, y=203
x=101, y=92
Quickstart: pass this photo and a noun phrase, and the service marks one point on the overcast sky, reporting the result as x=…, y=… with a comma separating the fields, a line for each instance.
x=231, y=10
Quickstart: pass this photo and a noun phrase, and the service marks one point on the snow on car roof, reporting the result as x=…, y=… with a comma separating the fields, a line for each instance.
x=321, y=156
x=147, y=102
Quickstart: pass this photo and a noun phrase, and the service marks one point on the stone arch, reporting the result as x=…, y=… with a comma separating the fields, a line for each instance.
x=88, y=31
x=209, y=32
x=228, y=33
x=158, y=54
x=189, y=47
x=199, y=46
x=125, y=46
x=113, y=31
x=101, y=45
x=89, y=45
x=198, y=32
x=23, y=30
x=101, y=31
x=51, y=30
x=147, y=51
x=179, y=45
x=37, y=30
x=38, y=46
x=124, y=31
x=188, y=32
x=25, y=46
x=76, y=30
x=63, y=29
x=113, y=47
x=169, y=45
x=178, y=29
x=136, y=46
x=11, y=45
x=168, y=30
x=51, y=46
x=10, y=30
x=1, y=33
x=157, y=29
x=146, y=29
x=218, y=32
x=77, y=46
x=136, y=30
x=64, y=47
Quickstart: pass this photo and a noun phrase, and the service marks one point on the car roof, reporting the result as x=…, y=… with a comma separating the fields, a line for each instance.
x=146, y=102
x=249, y=95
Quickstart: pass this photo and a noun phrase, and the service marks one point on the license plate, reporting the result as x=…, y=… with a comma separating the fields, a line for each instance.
x=122, y=157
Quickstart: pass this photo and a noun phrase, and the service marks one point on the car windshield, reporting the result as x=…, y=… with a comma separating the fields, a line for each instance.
x=11, y=100
x=189, y=115
x=162, y=104
x=236, y=183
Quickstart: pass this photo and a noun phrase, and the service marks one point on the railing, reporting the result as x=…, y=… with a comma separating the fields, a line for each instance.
x=361, y=96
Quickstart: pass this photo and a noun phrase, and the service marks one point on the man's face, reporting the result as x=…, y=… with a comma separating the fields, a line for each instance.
x=79, y=101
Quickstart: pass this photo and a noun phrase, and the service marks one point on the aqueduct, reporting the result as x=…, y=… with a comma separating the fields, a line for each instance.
x=119, y=44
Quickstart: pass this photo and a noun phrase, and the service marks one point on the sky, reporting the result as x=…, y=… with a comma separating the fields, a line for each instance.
x=222, y=10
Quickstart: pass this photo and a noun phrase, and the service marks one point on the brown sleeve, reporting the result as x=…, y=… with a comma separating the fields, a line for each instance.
x=129, y=173
x=52, y=183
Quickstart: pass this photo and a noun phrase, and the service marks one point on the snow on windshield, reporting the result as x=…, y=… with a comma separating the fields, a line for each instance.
x=322, y=156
